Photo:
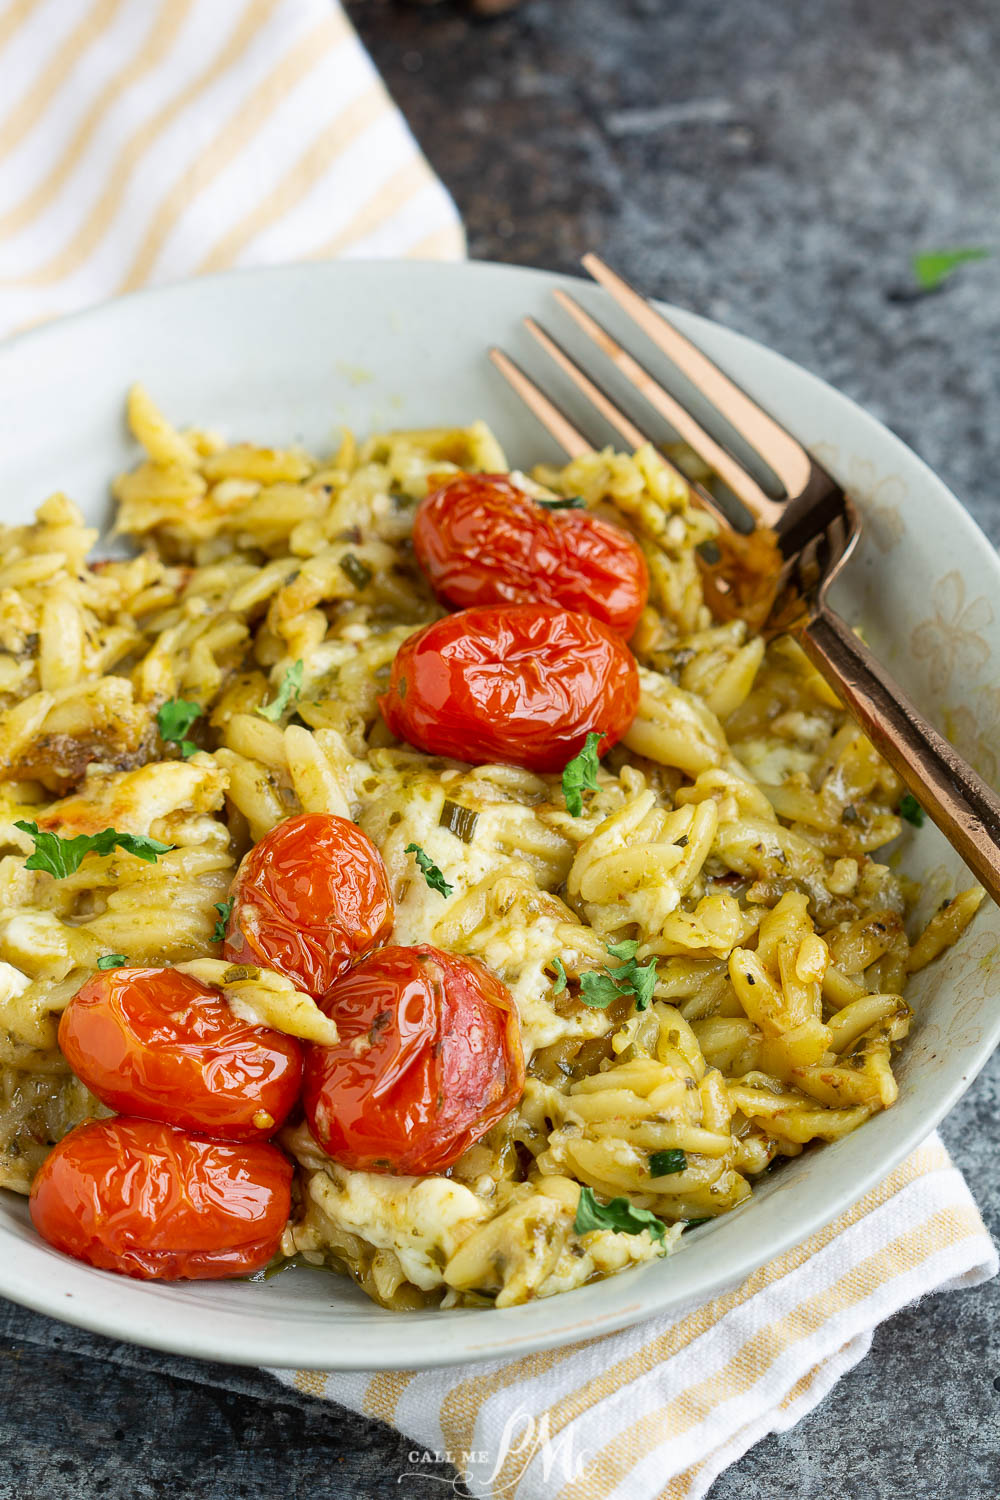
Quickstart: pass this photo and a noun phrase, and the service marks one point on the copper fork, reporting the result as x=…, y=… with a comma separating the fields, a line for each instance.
x=816, y=527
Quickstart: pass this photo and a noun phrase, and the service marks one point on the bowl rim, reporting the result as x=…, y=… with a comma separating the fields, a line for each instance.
x=557, y=1321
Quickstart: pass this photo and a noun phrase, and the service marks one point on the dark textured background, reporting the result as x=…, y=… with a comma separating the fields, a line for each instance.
x=773, y=164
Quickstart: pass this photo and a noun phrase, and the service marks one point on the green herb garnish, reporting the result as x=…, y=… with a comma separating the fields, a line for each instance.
x=430, y=871
x=599, y=987
x=665, y=1163
x=619, y=1215
x=580, y=775
x=910, y=809
x=570, y=502
x=288, y=693
x=173, y=719
x=111, y=961
x=225, y=910
x=61, y=857
x=461, y=821
x=933, y=267
x=560, y=983
x=355, y=571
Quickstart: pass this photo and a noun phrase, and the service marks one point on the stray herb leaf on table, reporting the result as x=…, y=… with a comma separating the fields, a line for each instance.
x=933, y=267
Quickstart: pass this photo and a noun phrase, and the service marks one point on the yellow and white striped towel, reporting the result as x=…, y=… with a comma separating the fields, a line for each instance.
x=661, y=1409
x=145, y=140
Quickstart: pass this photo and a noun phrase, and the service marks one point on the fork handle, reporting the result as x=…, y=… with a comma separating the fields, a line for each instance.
x=965, y=809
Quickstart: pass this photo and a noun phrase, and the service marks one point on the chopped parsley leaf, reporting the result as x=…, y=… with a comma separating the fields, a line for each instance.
x=173, y=719
x=910, y=809
x=430, y=871
x=560, y=983
x=355, y=571
x=599, y=987
x=112, y=961
x=569, y=502
x=642, y=978
x=225, y=910
x=619, y=1215
x=933, y=267
x=665, y=1163
x=580, y=775
x=61, y=857
x=287, y=694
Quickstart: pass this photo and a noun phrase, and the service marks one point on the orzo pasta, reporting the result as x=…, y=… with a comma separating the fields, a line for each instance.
x=707, y=957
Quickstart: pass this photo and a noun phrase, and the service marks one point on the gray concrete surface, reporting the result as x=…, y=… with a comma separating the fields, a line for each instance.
x=773, y=164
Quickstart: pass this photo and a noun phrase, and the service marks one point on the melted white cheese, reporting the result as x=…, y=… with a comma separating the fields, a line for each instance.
x=421, y=1219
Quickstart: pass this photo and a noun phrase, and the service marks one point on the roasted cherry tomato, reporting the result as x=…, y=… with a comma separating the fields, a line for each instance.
x=522, y=683
x=156, y=1043
x=151, y=1201
x=308, y=900
x=481, y=540
x=429, y=1058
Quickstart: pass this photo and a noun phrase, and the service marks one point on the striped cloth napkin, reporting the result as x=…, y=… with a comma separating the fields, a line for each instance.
x=145, y=140
x=661, y=1409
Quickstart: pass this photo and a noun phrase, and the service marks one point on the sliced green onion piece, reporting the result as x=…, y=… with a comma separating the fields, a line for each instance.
x=461, y=821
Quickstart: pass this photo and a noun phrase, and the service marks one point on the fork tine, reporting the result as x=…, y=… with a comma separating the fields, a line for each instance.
x=625, y=428
x=623, y=425
x=762, y=507
x=779, y=450
x=569, y=438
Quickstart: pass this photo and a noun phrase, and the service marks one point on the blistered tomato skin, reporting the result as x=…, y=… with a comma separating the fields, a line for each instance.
x=153, y=1202
x=481, y=540
x=518, y=683
x=309, y=900
x=429, y=1058
x=156, y=1043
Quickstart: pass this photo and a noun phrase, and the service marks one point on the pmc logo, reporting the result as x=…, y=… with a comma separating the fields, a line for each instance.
x=524, y=1441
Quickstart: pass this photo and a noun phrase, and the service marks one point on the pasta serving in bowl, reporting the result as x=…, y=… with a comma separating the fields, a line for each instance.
x=564, y=940
x=424, y=875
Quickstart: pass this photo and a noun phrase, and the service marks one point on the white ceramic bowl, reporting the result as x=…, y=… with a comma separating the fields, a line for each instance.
x=291, y=353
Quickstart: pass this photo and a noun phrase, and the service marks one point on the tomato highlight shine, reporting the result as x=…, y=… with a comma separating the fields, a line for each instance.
x=481, y=540
x=429, y=1058
x=517, y=683
x=308, y=900
x=156, y=1043
x=150, y=1201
